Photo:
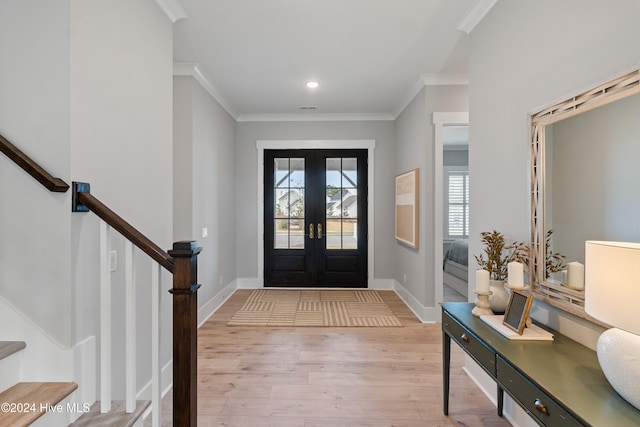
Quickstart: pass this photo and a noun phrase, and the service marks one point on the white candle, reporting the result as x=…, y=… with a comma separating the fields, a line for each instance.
x=482, y=280
x=515, y=274
x=575, y=275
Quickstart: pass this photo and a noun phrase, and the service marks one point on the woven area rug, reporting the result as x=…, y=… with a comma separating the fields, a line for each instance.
x=275, y=307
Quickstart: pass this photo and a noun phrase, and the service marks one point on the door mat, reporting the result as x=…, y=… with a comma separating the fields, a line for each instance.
x=276, y=307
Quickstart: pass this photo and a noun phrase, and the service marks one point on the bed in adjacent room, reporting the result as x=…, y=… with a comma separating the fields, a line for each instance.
x=455, y=265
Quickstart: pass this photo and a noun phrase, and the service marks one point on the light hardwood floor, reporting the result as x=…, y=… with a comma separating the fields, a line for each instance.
x=321, y=377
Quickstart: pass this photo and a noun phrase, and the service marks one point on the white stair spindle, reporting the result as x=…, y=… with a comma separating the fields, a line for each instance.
x=130, y=329
x=105, y=318
x=156, y=391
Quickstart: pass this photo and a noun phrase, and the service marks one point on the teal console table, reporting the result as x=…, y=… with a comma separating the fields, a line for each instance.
x=558, y=383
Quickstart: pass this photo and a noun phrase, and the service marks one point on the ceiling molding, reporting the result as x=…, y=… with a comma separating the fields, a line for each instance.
x=411, y=94
x=475, y=15
x=429, y=80
x=314, y=117
x=193, y=70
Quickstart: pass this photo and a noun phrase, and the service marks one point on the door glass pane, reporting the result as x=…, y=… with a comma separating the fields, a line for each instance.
x=350, y=233
x=342, y=203
x=289, y=203
x=281, y=228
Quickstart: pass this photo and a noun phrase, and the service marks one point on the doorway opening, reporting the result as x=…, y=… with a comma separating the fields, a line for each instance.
x=315, y=218
x=333, y=220
x=451, y=206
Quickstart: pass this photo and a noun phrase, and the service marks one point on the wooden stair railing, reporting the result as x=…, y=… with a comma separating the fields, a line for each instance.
x=181, y=261
x=84, y=201
x=32, y=168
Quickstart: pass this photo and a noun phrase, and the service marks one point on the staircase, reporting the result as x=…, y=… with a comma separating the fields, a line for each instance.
x=51, y=404
x=30, y=403
x=65, y=403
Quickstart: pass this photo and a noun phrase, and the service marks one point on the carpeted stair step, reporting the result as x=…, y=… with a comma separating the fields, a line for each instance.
x=117, y=417
x=7, y=348
x=25, y=402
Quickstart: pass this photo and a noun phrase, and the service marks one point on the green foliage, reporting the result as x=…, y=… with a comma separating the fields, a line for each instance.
x=497, y=255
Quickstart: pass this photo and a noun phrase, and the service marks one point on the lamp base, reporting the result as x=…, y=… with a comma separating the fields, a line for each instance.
x=619, y=357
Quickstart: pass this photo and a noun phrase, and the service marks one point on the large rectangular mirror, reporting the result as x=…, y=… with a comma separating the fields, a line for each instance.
x=585, y=181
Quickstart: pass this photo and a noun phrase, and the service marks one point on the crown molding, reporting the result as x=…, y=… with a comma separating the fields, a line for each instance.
x=475, y=15
x=314, y=117
x=173, y=9
x=429, y=80
x=193, y=70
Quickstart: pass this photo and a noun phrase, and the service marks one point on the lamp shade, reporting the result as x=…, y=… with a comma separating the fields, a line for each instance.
x=612, y=283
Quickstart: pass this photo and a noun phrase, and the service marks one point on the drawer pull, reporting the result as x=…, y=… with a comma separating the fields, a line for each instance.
x=541, y=407
x=464, y=338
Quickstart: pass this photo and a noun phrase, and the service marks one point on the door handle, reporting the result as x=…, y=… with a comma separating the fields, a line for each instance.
x=541, y=406
x=319, y=231
x=311, y=231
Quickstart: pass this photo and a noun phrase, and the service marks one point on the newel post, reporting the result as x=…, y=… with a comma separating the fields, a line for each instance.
x=185, y=333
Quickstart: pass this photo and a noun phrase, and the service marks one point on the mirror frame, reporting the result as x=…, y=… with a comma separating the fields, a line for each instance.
x=617, y=88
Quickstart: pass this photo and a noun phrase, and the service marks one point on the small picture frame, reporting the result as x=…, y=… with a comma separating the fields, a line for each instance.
x=515, y=317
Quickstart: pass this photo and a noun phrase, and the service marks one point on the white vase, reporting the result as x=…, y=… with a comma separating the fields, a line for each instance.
x=618, y=356
x=499, y=296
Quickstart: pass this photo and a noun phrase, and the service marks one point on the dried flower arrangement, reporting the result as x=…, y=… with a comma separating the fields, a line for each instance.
x=499, y=255
x=554, y=261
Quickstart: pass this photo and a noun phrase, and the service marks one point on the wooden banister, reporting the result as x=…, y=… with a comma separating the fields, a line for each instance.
x=83, y=201
x=185, y=333
x=52, y=183
x=181, y=261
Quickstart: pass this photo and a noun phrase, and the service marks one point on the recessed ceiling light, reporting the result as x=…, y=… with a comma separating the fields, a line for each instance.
x=312, y=84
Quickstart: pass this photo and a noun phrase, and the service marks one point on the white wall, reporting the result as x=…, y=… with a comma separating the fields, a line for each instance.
x=525, y=55
x=415, y=149
x=247, y=182
x=34, y=115
x=204, y=183
x=86, y=90
x=121, y=143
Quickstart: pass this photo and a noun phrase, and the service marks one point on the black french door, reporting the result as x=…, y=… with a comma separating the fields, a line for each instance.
x=315, y=218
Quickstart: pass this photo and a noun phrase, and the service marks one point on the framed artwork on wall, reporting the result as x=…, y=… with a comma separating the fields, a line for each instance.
x=408, y=208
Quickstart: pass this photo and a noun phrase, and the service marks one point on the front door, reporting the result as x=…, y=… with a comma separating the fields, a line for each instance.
x=315, y=218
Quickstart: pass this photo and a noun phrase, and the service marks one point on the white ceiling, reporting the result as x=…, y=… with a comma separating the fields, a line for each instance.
x=370, y=56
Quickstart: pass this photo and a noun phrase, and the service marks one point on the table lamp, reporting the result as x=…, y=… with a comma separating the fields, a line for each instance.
x=612, y=295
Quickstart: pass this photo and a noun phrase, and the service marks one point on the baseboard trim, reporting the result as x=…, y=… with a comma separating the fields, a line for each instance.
x=247, y=283
x=211, y=306
x=383, y=284
x=166, y=383
x=425, y=314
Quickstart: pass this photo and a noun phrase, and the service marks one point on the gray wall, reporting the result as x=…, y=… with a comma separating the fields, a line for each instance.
x=204, y=183
x=415, y=149
x=525, y=55
x=509, y=82
x=247, y=182
x=596, y=184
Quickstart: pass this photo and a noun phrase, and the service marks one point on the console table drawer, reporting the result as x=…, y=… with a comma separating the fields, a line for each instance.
x=485, y=356
x=535, y=401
